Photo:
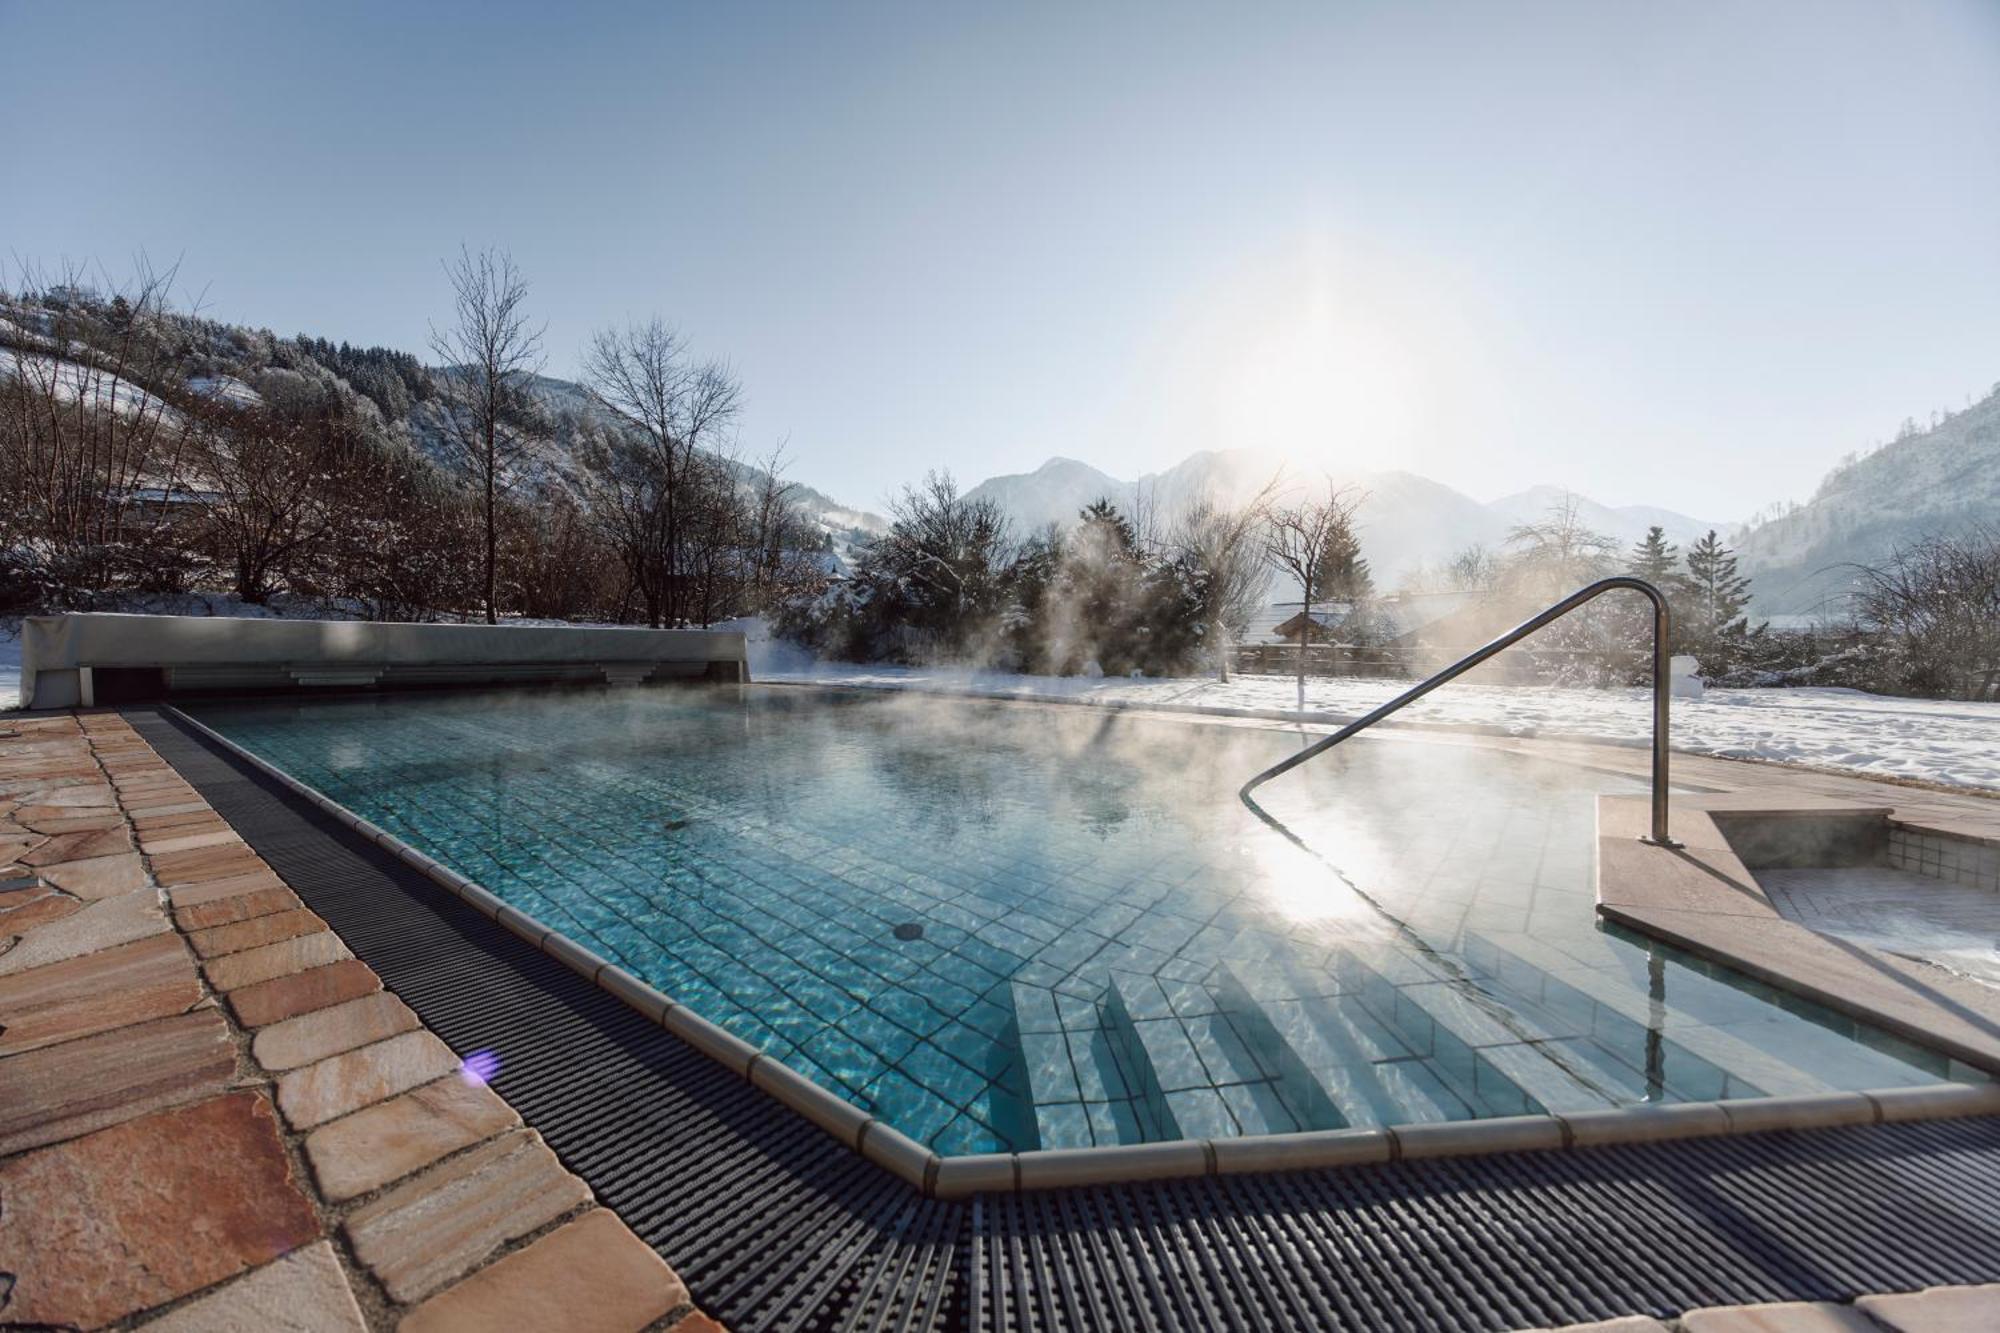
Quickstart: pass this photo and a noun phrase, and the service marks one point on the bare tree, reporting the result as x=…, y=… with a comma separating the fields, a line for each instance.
x=1938, y=602
x=786, y=548
x=267, y=501
x=1558, y=554
x=679, y=407
x=1223, y=551
x=1302, y=539
x=487, y=356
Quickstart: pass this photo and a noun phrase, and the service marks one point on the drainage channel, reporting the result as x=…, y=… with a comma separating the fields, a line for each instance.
x=773, y=1225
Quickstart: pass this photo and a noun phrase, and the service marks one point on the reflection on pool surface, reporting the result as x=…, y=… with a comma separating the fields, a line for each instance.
x=1014, y=926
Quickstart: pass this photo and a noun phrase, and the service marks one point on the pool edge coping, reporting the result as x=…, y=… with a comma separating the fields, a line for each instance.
x=963, y=1176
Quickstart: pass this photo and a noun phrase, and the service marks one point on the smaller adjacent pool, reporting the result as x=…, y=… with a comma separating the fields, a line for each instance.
x=1007, y=926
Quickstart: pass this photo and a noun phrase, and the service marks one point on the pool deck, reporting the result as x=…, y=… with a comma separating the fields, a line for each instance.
x=212, y=1111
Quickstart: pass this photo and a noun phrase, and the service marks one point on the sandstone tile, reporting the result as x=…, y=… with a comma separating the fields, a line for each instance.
x=314, y=1036
x=347, y=1082
x=422, y=1234
x=59, y=1092
x=80, y=846
x=149, y=978
x=194, y=895
x=383, y=1143
x=588, y=1276
x=286, y=997
x=1780, y=1317
x=161, y=844
x=78, y=823
x=203, y=818
x=99, y=925
x=14, y=846
x=237, y=907
x=205, y=863
x=304, y=1292
x=98, y=876
x=74, y=798
x=152, y=1210
x=274, y=960
x=251, y=934
x=175, y=807
x=50, y=771
x=1937, y=1310
x=21, y=910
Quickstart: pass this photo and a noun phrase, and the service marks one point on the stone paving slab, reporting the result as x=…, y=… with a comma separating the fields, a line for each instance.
x=23, y=909
x=280, y=998
x=1781, y=1317
x=275, y=960
x=164, y=1206
x=204, y=864
x=344, y=1083
x=97, y=925
x=98, y=876
x=323, y=1032
x=423, y=1234
x=149, y=978
x=588, y=1276
x=272, y=928
x=1938, y=1310
x=207, y=891
x=82, y=845
x=304, y=1292
x=382, y=1144
x=159, y=844
x=61, y=1091
x=235, y=907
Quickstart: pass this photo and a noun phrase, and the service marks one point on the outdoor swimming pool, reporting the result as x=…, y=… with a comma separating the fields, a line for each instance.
x=1008, y=926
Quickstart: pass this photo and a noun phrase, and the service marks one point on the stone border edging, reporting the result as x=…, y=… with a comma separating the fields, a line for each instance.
x=1054, y=1168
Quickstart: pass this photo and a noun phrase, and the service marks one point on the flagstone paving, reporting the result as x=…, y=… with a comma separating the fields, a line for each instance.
x=211, y=1112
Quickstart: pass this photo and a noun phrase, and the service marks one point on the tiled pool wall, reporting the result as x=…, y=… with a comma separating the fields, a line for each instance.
x=1108, y=955
x=1961, y=861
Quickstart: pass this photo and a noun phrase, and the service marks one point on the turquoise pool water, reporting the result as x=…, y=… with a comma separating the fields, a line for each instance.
x=1013, y=926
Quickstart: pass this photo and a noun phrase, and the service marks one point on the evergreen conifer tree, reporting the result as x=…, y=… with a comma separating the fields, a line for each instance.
x=1655, y=559
x=1717, y=595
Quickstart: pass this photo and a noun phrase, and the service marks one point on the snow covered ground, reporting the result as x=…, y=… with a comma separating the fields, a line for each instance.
x=1873, y=735
x=1928, y=740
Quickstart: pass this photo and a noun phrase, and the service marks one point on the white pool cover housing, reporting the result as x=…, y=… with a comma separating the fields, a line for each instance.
x=69, y=660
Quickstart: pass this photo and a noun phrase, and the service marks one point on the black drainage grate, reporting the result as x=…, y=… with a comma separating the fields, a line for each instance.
x=774, y=1226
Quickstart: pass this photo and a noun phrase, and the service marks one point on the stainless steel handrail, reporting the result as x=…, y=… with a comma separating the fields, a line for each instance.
x=1513, y=636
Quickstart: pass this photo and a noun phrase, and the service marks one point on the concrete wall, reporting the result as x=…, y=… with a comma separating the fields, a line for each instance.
x=61, y=655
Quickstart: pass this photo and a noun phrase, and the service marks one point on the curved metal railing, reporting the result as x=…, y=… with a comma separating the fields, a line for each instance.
x=1513, y=636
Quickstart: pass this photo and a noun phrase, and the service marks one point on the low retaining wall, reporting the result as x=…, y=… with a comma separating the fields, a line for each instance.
x=69, y=660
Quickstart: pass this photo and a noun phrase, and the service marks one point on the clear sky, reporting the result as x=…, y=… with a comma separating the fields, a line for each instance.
x=1684, y=254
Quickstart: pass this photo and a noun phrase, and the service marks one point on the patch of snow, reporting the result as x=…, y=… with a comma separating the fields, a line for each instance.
x=226, y=389
x=1956, y=744
x=74, y=380
x=10, y=663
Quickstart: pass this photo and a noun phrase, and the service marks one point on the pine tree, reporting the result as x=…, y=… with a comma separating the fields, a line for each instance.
x=1344, y=575
x=1655, y=559
x=1717, y=595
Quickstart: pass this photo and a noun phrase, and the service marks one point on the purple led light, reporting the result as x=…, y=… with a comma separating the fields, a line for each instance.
x=480, y=1067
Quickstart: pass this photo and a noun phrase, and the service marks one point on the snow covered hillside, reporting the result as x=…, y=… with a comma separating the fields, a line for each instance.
x=1940, y=480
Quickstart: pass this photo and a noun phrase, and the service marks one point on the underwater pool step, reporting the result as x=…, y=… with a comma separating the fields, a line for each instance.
x=1078, y=1081
x=1403, y=1040
x=1198, y=1072
x=1697, y=1062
